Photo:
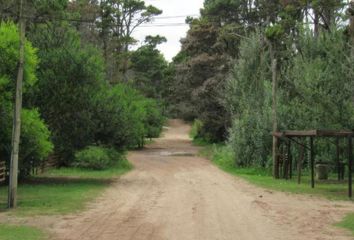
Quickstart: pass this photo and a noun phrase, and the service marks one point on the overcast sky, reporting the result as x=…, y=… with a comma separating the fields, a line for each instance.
x=170, y=23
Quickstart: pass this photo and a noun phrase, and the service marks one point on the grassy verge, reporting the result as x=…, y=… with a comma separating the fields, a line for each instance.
x=120, y=168
x=223, y=158
x=348, y=223
x=9, y=232
x=62, y=191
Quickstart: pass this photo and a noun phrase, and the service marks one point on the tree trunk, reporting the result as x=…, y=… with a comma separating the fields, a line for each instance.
x=16, y=132
x=125, y=63
x=316, y=23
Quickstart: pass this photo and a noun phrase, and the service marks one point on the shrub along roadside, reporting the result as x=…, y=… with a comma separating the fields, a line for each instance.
x=35, y=137
x=97, y=158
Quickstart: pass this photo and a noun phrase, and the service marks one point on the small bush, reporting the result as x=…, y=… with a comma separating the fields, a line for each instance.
x=35, y=141
x=126, y=117
x=98, y=158
x=223, y=156
x=196, y=128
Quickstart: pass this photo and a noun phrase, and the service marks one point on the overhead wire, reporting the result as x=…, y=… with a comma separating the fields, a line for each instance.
x=146, y=24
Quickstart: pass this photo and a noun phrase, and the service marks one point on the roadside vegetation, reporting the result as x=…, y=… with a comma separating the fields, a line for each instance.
x=86, y=101
x=223, y=157
x=348, y=223
x=245, y=69
x=259, y=68
x=13, y=232
x=62, y=191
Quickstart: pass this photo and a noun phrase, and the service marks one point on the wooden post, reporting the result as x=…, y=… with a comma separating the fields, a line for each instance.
x=316, y=22
x=337, y=159
x=274, y=112
x=312, y=158
x=299, y=164
x=350, y=166
x=16, y=132
x=351, y=20
x=290, y=159
x=286, y=161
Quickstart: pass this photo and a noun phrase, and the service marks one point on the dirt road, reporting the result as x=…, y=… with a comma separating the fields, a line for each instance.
x=174, y=195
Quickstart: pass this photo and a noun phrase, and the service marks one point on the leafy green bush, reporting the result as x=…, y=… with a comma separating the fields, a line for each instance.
x=98, y=158
x=35, y=143
x=250, y=139
x=196, y=128
x=223, y=156
x=70, y=75
x=126, y=117
x=248, y=98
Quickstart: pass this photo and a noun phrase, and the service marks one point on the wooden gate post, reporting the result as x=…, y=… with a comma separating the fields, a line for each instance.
x=350, y=166
x=312, y=158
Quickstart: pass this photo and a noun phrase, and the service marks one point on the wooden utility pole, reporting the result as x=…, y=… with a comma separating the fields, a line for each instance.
x=16, y=132
x=351, y=19
x=274, y=111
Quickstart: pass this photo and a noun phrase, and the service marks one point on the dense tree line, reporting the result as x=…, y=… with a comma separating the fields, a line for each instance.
x=238, y=50
x=85, y=93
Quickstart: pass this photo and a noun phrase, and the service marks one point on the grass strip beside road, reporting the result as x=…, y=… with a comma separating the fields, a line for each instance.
x=62, y=191
x=12, y=232
x=221, y=156
x=348, y=223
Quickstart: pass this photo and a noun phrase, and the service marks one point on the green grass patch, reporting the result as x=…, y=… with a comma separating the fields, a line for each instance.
x=10, y=232
x=348, y=223
x=120, y=168
x=222, y=157
x=61, y=191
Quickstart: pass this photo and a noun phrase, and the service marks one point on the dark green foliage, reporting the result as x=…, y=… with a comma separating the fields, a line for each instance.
x=69, y=76
x=97, y=158
x=200, y=71
x=321, y=84
x=248, y=99
x=315, y=92
x=114, y=24
x=237, y=40
x=153, y=119
x=79, y=106
x=126, y=117
x=120, y=117
x=149, y=69
x=67, y=87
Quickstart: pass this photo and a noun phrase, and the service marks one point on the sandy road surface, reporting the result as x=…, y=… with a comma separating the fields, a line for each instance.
x=174, y=195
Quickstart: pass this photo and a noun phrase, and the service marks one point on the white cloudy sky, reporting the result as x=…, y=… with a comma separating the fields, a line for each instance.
x=170, y=23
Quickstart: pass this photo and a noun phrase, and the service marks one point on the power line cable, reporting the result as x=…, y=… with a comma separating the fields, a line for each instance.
x=178, y=16
x=51, y=18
